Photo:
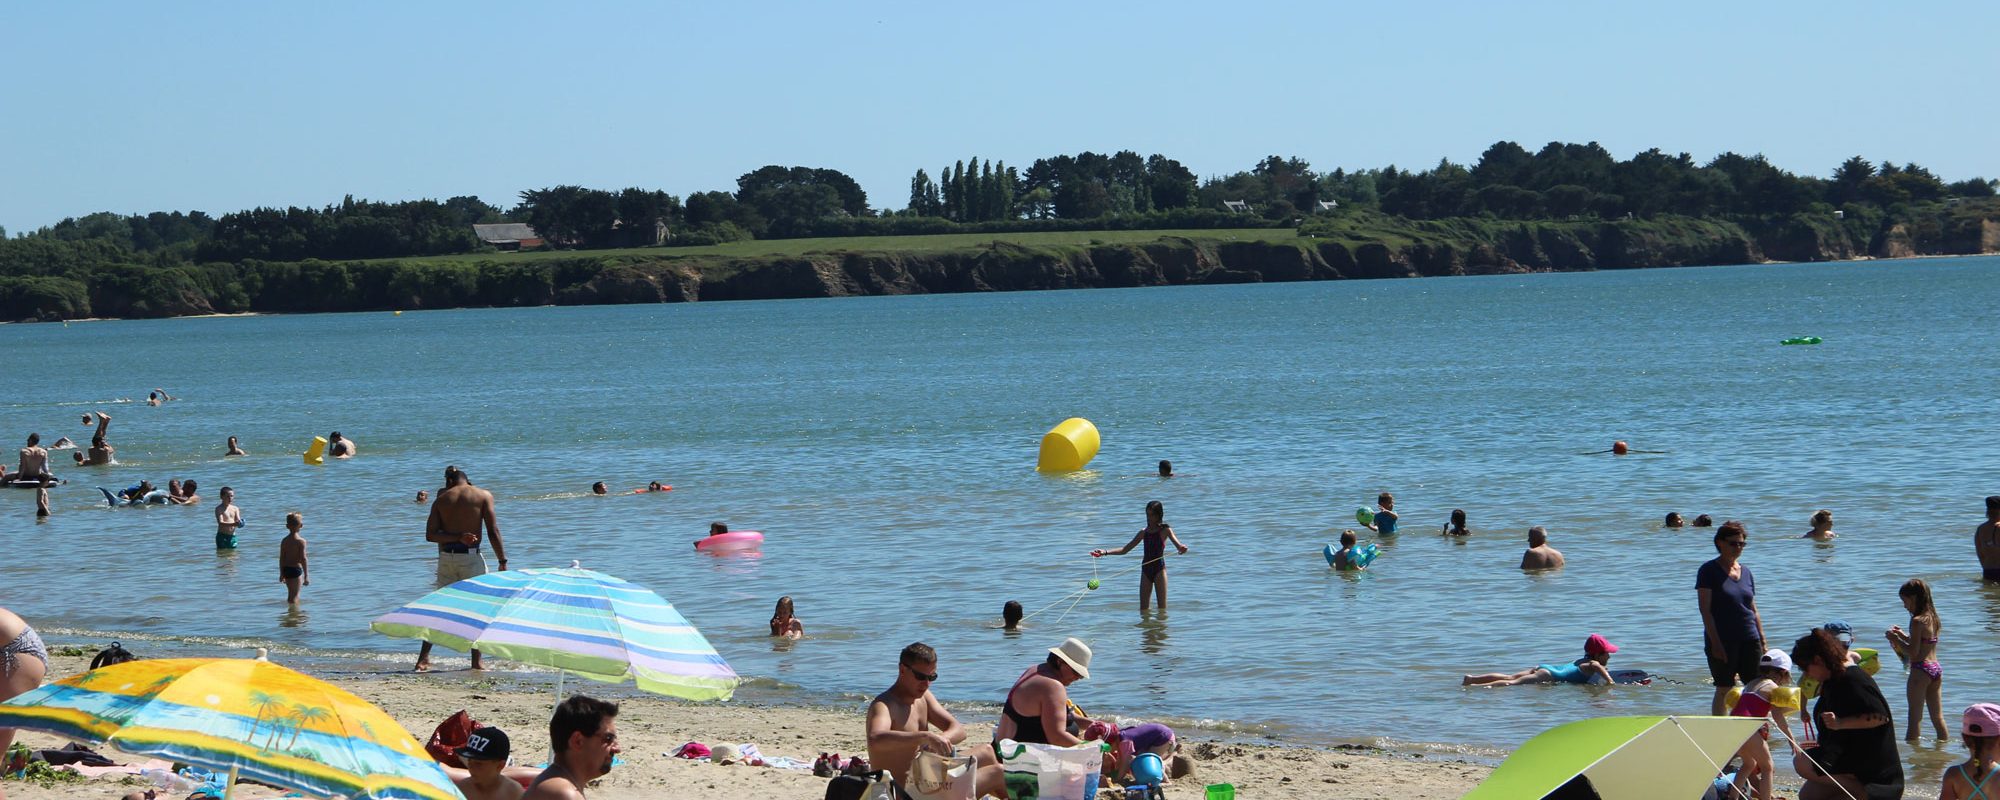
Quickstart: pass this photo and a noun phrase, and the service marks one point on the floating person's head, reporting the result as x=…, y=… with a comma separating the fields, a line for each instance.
x=87, y=420
x=1347, y=538
x=423, y=495
x=187, y=486
x=1537, y=536
x=1010, y=614
x=717, y=528
x=1822, y=519
x=1156, y=511
x=173, y=486
x=333, y=437
x=1386, y=500
x=655, y=486
x=784, y=609
x=1166, y=468
x=1703, y=521
x=599, y=488
x=1674, y=520
x=1916, y=596
x=1458, y=519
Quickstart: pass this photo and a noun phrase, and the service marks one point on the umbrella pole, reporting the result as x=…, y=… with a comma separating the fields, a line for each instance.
x=229, y=789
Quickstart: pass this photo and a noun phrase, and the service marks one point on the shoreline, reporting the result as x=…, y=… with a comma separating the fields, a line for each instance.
x=651, y=726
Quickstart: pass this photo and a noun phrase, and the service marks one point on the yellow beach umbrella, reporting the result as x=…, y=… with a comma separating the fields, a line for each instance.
x=250, y=718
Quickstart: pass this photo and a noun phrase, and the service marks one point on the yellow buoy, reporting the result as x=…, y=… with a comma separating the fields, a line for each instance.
x=316, y=453
x=399, y=313
x=1068, y=446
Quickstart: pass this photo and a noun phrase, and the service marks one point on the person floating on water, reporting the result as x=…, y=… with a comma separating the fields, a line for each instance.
x=1456, y=527
x=783, y=623
x=655, y=486
x=1385, y=519
x=339, y=447
x=34, y=464
x=599, y=488
x=141, y=492
x=1153, y=569
x=1822, y=527
x=1674, y=520
x=233, y=449
x=1703, y=521
x=1595, y=663
x=292, y=558
x=423, y=496
x=1166, y=468
x=1539, y=554
x=227, y=519
x=1010, y=616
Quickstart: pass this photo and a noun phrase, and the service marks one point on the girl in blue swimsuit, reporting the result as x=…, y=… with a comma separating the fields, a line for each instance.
x=1595, y=663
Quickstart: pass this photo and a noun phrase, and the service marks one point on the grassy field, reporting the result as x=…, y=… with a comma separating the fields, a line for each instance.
x=950, y=241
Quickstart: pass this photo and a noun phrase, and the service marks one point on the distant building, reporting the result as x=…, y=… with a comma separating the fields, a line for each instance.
x=1236, y=206
x=508, y=235
x=640, y=235
x=1328, y=205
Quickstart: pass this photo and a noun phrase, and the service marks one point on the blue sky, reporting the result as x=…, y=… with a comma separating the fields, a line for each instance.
x=135, y=107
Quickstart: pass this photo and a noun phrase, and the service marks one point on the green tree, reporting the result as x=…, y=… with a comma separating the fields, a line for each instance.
x=1848, y=178
x=924, y=201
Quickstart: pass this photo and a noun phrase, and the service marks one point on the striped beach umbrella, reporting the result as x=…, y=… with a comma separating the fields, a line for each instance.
x=253, y=719
x=574, y=620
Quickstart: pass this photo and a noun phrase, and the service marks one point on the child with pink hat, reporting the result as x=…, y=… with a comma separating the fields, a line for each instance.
x=1974, y=778
x=1595, y=663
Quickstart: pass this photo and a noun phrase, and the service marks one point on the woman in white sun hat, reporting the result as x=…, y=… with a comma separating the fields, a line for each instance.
x=1037, y=709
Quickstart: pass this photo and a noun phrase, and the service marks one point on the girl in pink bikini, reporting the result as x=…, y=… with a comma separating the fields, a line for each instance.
x=1918, y=649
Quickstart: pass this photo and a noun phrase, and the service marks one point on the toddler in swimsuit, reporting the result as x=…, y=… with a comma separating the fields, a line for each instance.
x=1918, y=649
x=1768, y=696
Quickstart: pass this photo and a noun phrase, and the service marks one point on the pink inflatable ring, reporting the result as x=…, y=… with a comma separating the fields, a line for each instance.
x=733, y=540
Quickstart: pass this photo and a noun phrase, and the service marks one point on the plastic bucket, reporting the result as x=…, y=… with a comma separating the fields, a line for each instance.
x=1222, y=791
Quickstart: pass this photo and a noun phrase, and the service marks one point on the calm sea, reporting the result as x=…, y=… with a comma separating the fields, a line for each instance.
x=886, y=447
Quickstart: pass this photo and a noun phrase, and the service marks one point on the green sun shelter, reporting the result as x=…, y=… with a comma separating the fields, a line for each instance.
x=1620, y=758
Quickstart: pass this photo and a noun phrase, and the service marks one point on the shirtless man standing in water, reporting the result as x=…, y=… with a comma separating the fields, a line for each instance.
x=907, y=718
x=1986, y=540
x=461, y=508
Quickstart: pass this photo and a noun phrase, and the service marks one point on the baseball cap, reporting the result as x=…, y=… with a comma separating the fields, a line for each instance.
x=1776, y=659
x=1598, y=644
x=485, y=744
x=1840, y=630
x=1982, y=719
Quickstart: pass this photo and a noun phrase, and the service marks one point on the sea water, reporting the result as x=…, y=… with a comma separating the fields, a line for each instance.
x=886, y=448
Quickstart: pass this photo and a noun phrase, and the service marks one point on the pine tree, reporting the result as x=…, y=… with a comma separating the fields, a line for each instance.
x=969, y=189
x=920, y=189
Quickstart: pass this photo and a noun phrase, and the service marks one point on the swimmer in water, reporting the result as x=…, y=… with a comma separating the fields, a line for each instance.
x=339, y=447
x=1166, y=468
x=1703, y=521
x=1010, y=616
x=599, y=488
x=130, y=495
x=63, y=443
x=1344, y=558
x=100, y=451
x=1456, y=527
x=233, y=449
x=1594, y=664
x=1822, y=527
x=1385, y=519
x=717, y=529
x=1674, y=520
x=423, y=496
x=655, y=486
x=188, y=495
x=783, y=623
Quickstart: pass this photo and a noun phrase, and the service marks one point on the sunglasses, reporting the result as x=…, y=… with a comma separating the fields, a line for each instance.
x=927, y=677
x=1735, y=542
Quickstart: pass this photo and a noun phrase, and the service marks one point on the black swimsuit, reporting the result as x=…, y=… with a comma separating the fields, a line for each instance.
x=1027, y=728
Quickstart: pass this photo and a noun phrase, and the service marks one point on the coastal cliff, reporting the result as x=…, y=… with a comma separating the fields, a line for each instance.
x=1337, y=248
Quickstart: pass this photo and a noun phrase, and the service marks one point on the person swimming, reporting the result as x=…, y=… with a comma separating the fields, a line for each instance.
x=1674, y=520
x=599, y=488
x=1594, y=664
x=1456, y=527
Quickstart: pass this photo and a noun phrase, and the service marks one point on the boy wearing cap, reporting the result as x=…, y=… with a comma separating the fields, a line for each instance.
x=485, y=757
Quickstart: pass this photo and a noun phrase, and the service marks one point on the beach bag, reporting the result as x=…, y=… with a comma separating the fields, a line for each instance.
x=115, y=654
x=1047, y=772
x=450, y=735
x=936, y=777
x=872, y=786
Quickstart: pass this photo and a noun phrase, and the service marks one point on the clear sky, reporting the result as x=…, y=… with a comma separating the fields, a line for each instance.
x=135, y=107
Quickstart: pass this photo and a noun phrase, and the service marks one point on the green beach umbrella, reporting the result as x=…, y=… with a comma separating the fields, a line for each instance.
x=1624, y=758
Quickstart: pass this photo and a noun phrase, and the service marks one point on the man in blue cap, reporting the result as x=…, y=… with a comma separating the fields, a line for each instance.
x=485, y=757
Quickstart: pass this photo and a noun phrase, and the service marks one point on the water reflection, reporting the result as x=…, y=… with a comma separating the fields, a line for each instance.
x=1153, y=634
x=293, y=617
x=1989, y=602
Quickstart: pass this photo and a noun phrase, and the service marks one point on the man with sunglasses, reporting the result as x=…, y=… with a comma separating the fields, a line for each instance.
x=907, y=718
x=584, y=731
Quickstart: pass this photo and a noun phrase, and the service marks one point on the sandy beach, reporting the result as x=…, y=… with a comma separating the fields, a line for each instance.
x=651, y=727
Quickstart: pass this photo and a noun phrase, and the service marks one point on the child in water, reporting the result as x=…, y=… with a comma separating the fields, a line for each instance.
x=1385, y=519
x=1674, y=520
x=292, y=558
x=1822, y=527
x=1348, y=557
x=1764, y=697
x=1917, y=647
x=1153, y=569
x=1456, y=527
x=1010, y=616
x=1974, y=778
x=783, y=623
x=1595, y=663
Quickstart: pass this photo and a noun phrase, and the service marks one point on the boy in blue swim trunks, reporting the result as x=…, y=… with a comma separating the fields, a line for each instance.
x=1595, y=663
